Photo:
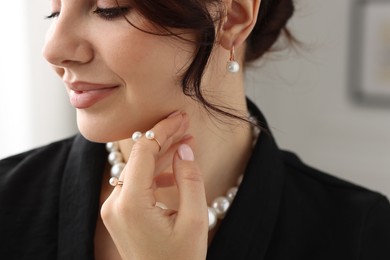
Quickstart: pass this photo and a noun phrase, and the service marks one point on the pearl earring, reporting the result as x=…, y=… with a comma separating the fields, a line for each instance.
x=232, y=65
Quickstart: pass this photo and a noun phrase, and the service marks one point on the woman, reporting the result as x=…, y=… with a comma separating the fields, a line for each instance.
x=193, y=171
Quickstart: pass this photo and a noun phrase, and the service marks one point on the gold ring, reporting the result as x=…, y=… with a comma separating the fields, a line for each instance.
x=151, y=136
x=158, y=143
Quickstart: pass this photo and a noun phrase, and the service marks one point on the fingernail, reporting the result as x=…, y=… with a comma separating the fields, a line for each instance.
x=174, y=114
x=185, y=152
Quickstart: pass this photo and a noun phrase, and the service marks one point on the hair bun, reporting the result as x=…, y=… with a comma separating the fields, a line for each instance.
x=272, y=19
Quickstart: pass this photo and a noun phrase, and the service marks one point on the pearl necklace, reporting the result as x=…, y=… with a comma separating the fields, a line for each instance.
x=218, y=207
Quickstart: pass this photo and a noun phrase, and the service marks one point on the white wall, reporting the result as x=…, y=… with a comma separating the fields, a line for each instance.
x=14, y=89
x=309, y=107
x=34, y=108
x=304, y=96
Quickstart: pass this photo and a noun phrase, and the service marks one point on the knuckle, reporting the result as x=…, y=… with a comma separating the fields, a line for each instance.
x=140, y=150
x=106, y=211
x=192, y=175
x=143, y=147
x=110, y=209
x=139, y=147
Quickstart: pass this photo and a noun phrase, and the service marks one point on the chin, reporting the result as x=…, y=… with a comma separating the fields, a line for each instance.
x=106, y=127
x=98, y=127
x=95, y=136
x=103, y=132
x=100, y=133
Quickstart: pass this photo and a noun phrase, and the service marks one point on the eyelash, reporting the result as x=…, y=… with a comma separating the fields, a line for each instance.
x=111, y=13
x=104, y=13
x=52, y=15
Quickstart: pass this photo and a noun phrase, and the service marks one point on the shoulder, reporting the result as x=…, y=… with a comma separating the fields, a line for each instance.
x=30, y=185
x=308, y=179
x=63, y=143
x=55, y=149
x=337, y=209
x=32, y=163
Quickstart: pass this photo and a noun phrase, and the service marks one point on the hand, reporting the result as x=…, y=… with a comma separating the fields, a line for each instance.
x=141, y=230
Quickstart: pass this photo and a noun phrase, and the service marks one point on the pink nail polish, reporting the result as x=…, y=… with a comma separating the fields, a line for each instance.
x=174, y=114
x=185, y=152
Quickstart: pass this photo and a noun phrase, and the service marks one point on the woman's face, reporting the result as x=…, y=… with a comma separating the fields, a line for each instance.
x=119, y=78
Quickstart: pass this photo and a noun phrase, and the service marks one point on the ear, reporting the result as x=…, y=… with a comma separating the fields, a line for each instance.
x=240, y=19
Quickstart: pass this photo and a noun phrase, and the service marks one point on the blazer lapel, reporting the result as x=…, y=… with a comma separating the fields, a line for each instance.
x=247, y=228
x=79, y=199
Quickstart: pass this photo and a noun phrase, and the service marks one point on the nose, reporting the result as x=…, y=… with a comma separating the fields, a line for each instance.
x=66, y=43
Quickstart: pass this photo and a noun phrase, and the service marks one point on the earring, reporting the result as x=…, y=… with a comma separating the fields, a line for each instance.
x=232, y=65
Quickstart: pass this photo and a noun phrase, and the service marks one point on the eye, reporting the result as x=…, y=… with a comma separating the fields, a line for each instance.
x=111, y=13
x=52, y=15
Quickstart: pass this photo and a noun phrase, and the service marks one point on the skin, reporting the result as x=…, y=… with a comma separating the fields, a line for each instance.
x=82, y=46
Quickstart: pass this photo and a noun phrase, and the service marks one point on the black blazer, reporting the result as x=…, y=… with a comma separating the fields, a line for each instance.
x=49, y=201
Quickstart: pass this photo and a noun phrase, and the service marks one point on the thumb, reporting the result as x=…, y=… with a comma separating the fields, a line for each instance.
x=193, y=205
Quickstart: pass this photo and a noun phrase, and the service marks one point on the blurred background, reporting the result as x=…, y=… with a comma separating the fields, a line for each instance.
x=328, y=101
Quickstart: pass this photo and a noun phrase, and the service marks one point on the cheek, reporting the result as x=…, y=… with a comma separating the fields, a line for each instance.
x=142, y=58
x=132, y=48
x=149, y=67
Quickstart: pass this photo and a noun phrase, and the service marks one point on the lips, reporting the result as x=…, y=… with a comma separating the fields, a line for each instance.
x=84, y=95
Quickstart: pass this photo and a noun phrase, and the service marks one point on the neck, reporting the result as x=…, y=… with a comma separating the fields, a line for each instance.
x=221, y=150
x=222, y=147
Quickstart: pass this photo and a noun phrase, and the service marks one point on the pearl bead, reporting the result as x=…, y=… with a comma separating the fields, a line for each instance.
x=117, y=169
x=221, y=205
x=115, y=157
x=149, y=134
x=113, y=181
x=212, y=218
x=137, y=135
x=233, y=66
x=231, y=193
x=112, y=146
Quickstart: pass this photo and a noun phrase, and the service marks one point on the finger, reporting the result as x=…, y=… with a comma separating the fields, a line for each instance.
x=164, y=180
x=193, y=205
x=164, y=165
x=139, y=172
x=164, y=161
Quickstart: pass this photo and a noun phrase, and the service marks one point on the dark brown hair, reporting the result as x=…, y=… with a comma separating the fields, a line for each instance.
x=194, y=15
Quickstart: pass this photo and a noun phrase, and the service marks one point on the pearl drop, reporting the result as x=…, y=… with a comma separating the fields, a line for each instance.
x=117, y=169
x=137, y=135
x=233, y=66
x=113, y=181
x=212, y=218
x=112, y=146
x=149, y=134
x=231, y=193
x=221, y=205
x=252, y=119
x=115, y=157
